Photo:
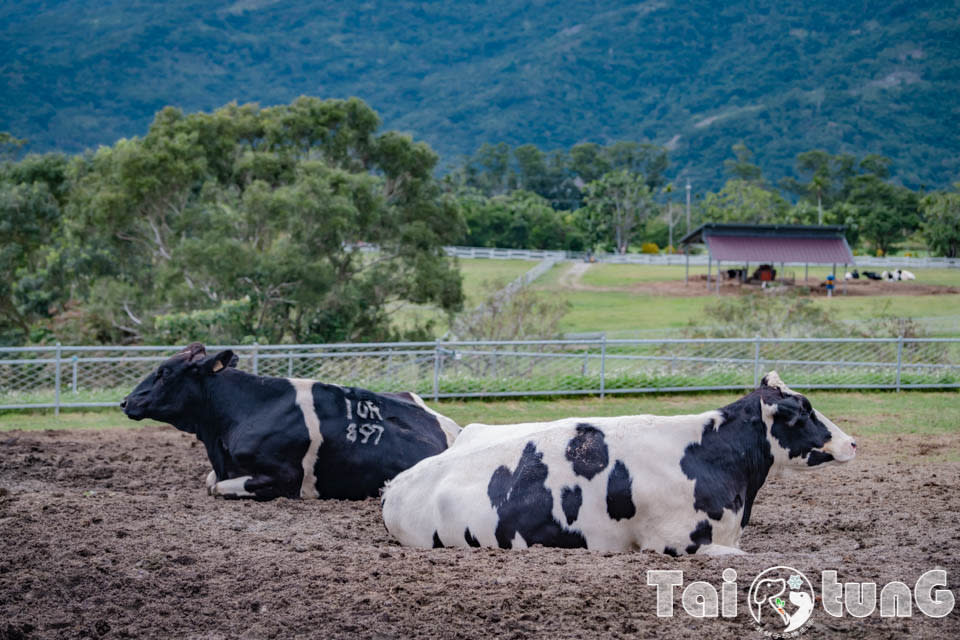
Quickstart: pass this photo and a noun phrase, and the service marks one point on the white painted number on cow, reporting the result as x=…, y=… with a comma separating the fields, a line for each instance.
x=365, y=431
x=368, y=409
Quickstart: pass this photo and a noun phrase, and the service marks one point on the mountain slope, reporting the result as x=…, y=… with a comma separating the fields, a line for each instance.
x=855, y=77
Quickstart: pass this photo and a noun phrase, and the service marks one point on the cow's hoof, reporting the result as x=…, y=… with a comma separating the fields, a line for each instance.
x=720, y=550
x=211, y=482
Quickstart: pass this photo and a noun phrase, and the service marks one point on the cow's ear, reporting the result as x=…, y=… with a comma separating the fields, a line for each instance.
x=218, y=362
x=791, y=408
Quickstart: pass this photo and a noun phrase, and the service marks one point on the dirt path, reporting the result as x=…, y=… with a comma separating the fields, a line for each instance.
x=110, y=534
x=570, y=279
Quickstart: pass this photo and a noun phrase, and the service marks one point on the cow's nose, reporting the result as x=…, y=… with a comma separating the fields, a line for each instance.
x=853, y=444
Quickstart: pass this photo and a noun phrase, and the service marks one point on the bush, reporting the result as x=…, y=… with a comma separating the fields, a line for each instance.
x=649, y=247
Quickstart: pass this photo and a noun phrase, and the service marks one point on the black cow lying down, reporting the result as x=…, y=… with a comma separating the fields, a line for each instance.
x=287, y=437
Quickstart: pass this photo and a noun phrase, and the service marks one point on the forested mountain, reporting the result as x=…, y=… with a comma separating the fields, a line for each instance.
x=697, y=76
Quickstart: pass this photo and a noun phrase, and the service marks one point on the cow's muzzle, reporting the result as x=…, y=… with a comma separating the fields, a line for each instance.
x=842, y=450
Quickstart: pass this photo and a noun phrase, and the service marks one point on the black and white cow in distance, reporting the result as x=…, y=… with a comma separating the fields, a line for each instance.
x=272, y=437
x=676, y=485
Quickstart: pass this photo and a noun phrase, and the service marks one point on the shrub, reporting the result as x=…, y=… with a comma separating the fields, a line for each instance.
x=649, y=247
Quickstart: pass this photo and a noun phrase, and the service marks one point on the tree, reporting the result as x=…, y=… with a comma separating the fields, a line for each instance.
x=886, y=212
x=742, y=201
x=941, y=222
x=617, y=204
x=743, y=168
x=297, y=222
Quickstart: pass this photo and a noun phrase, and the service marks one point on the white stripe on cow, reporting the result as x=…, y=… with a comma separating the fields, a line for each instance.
x=450, y=428
x=304, y=389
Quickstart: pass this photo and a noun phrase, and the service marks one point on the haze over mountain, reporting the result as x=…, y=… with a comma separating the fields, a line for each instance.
x=697, y=76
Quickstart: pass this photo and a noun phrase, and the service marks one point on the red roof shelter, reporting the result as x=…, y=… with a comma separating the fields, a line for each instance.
x=770, y=244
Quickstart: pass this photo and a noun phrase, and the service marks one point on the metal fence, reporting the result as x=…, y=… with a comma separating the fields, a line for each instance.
x=61, y=377
x=891, y=262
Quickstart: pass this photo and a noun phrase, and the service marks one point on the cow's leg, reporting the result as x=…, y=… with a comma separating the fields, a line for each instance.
x=720, y=550
x=211, y=481
x=232, y=488
x=260, y=486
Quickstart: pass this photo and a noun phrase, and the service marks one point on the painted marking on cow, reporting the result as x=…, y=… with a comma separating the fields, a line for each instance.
x=619, y=493
x=587, y=451
x=234, y=488
x=363, y=433
x=368, y=409
x=304, y=389
x=571, y=500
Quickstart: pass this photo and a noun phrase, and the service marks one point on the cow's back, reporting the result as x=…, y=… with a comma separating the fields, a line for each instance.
x=368, y=438
x=559, y=484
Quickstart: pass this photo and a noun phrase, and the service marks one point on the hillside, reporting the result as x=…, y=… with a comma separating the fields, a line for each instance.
x=697, y=76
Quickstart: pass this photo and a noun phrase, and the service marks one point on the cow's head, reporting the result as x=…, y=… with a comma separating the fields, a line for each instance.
x=177, y=385
x=800, y=436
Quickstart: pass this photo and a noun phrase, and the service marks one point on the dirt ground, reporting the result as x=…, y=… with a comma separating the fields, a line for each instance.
x=111, y=534
x=572, y=279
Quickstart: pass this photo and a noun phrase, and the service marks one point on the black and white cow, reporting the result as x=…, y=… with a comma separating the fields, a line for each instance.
x=676, y=485
x=272, y=437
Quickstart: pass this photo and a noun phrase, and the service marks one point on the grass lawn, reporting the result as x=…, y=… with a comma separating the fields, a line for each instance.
x=874, y=415
x=625, y=311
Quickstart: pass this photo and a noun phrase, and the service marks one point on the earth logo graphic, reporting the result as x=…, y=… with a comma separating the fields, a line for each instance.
x=781, y=600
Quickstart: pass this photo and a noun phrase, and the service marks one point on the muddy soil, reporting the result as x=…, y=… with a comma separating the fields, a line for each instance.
x=111, y=534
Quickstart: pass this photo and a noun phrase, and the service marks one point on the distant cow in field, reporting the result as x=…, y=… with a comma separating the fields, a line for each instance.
x=852, y=275
x=873, y=275
x=287, y=437
x=676, y=485
x=898, y=274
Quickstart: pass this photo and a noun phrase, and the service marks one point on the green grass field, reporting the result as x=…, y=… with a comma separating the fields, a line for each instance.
x=874, y=416
x=620, y=310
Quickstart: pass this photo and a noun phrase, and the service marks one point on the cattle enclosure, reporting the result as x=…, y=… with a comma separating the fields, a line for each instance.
x=109, y=533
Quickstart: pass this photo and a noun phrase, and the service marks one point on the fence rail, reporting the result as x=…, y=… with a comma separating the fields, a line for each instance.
x=891, y=262
x=97, y=376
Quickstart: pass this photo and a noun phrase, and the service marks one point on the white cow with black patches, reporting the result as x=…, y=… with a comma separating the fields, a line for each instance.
x=676, y=485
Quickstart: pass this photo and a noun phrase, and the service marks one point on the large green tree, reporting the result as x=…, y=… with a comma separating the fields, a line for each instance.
x=617, y=205
x=297, y=222
x=941, y=222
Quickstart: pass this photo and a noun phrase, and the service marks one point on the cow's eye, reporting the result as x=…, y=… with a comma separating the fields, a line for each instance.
x=160, y=373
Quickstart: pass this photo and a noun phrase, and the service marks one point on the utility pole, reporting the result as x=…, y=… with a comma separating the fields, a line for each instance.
x=688, y=205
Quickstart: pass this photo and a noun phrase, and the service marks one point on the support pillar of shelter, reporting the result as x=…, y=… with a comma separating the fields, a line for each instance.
x=709, y=265
x=806, y=272
x=686, y=275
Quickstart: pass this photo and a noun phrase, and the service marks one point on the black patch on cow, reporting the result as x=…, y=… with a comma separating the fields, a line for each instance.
x=796, y=427
x=670, y=551
x=731, y=462
x=701, y=535
x=469, y=537
x=571, y=500
x=524, y=505
x=437, y=544
x=587, y=451
x=818, y=457
x=619, y=493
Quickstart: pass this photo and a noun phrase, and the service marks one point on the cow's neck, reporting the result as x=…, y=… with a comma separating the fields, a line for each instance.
x=745, y=429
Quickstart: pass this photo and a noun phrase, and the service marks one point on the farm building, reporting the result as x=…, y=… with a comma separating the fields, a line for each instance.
x=766, y=245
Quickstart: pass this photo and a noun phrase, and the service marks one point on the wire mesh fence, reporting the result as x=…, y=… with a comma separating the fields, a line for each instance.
x=64, y=377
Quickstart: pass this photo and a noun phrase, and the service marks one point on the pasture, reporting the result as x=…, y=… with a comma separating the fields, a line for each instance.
x=108, y=532
x=632, y=299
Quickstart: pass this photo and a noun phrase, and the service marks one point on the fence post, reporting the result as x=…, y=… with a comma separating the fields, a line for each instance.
x=603, y=365
x=255, y=364
x=56, y=392
x=74, y=381
x=899, y=359
x=756, y=361
x=290, y=364
x=436, y=371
